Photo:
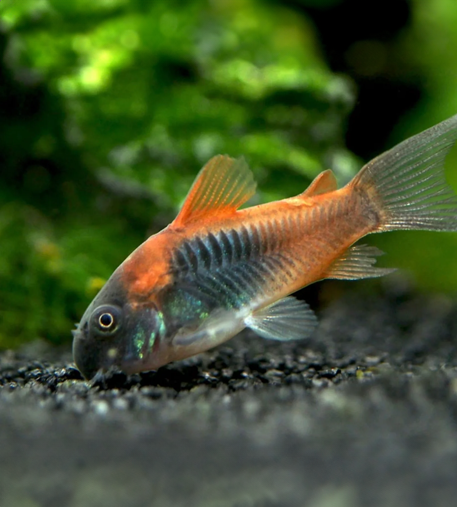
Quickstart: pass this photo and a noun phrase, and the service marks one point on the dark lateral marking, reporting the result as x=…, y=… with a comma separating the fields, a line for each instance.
x=203, y=252
x=235, y=250
x=233, y=266
x=227, y=248
x=245, y=241
x=235, y=240
x=256, y=240
x=217, y=254
x=191, y=256
x=180, y=261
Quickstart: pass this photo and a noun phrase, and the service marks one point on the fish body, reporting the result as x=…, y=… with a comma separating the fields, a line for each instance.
x=216, y=269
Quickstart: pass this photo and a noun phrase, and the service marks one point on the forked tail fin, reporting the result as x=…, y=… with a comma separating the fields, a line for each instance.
x=407, y=184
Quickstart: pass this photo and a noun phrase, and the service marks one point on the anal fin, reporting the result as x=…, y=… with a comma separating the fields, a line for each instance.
x=357, y=262
x=287, y=319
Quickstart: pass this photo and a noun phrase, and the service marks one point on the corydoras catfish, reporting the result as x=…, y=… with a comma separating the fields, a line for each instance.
x=216, y=269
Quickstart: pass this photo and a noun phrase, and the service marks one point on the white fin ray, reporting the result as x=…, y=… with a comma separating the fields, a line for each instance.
x=285, y=320
x=356, y=263
x=408, y=184
x=222, y=186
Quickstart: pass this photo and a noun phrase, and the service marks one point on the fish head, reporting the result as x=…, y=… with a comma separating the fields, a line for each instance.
x=117, y=333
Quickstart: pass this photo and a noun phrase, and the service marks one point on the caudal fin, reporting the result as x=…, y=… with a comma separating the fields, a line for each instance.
x=407, y=185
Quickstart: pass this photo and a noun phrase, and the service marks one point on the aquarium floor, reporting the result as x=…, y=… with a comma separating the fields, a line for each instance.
x=364, y=414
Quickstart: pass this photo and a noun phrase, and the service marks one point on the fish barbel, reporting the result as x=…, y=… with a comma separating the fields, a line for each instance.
x=216, y=269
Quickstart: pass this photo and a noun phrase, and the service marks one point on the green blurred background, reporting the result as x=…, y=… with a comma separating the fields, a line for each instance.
x=110, y=107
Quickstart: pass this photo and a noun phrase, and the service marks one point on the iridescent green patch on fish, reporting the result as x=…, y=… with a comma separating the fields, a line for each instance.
x=185, y=305
x=139, y=342
x=161, y=328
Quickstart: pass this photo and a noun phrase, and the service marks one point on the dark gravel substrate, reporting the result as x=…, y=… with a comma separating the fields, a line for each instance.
x=365, y=414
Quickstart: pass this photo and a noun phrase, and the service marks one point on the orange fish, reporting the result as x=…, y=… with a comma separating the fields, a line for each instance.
x=216, y=269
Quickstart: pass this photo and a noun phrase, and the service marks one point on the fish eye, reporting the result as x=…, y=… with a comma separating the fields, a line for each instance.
x=106, y=319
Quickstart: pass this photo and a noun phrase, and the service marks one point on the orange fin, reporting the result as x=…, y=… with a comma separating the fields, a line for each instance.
x=322, y=183
x=221, y=187
x=357, y=262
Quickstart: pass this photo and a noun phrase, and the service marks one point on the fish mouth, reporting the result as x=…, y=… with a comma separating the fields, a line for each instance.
x=83, y=355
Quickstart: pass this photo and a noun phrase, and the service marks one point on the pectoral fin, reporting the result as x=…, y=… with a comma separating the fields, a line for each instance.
x=287, y=319
x=216, y=329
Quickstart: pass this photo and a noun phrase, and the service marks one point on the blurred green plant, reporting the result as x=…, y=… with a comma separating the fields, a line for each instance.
x=428, y=47
x=111, y=107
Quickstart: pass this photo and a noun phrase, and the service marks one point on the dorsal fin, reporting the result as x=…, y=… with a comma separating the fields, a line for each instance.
x=221, y=187
x=322, y=183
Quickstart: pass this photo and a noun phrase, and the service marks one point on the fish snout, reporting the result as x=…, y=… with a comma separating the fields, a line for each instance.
x=90, y=355
x=86, y=359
